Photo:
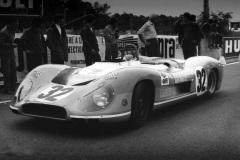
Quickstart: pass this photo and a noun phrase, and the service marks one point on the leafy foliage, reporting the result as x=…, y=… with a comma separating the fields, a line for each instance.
x=127, y=21
x=222, y=18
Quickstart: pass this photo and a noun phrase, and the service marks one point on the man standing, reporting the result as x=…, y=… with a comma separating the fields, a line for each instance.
x=198, y=32
x=206, y=29
x=148, y=37
x=90, y=44
x=178, y=29
x=57, y=41
x=7, y=55
x=111, y=36
x=191, y=37
x=34, y=44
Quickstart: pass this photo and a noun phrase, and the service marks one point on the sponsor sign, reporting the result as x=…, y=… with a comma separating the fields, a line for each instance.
x=75, y=53
x=112, y=76
x=181, y=80
x=124, y=102
x=231, y=47
x=164, y=79
x=20, y=7
x=35, y=74
x=168, y=44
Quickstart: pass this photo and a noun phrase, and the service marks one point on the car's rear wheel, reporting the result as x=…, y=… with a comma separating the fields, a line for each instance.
x=212, y=83
x=141, y=104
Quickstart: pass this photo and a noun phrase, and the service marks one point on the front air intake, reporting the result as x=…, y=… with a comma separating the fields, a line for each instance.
x=45, y=111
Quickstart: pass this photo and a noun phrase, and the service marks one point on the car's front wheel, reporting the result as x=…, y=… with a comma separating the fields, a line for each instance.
x=141, y=104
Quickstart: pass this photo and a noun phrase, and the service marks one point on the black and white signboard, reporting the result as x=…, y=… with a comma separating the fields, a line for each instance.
x=231, y=47
x=21, y=7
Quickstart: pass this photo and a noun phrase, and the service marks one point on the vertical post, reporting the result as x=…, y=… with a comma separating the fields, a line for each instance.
x=131, y=23
x=64, y=10
x=84, y=14
x=64, y=15
x=206, y=9
x=42, y=10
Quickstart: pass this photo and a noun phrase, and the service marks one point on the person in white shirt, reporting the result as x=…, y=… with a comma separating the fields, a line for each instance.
x=147, y=38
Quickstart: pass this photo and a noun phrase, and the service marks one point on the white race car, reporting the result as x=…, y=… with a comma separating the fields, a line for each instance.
x=114, y=90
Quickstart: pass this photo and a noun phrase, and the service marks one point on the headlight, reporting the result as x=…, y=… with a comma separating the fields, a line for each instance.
x=103, y=96
x=24, y=89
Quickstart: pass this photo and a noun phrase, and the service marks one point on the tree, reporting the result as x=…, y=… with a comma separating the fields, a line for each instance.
x=101, y=9
x=75, y=10
x=102, y=15
x=223, y=19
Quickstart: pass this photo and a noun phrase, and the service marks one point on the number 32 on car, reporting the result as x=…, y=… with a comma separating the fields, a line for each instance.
x=201, y=80
x=55, y=93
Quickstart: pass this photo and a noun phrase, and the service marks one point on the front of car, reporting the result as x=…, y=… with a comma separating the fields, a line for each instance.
x=91, y=93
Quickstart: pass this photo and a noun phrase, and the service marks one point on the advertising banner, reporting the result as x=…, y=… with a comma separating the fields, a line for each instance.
x=21, y=7
x=231, y=47
x=76, y=56
x=75, y=53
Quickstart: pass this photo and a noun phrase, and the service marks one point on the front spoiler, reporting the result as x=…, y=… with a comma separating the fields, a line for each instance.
x=99, y=118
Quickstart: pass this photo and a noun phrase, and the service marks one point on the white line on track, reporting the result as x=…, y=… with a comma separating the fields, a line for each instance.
x=230, y=64
x=5, y=101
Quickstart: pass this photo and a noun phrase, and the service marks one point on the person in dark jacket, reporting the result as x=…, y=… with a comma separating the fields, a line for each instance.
x=90, y=44
x=198, y=32
x=34, y=44
x=206, y=29
x=178, y=28
x=57, y=41
x=7, y=55
x=191, y=37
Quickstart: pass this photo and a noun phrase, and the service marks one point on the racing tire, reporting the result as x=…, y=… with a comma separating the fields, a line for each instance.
x=212, y=83
x=141, y=105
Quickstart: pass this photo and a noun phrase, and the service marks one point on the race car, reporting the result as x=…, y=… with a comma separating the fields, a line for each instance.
x=117, y=90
